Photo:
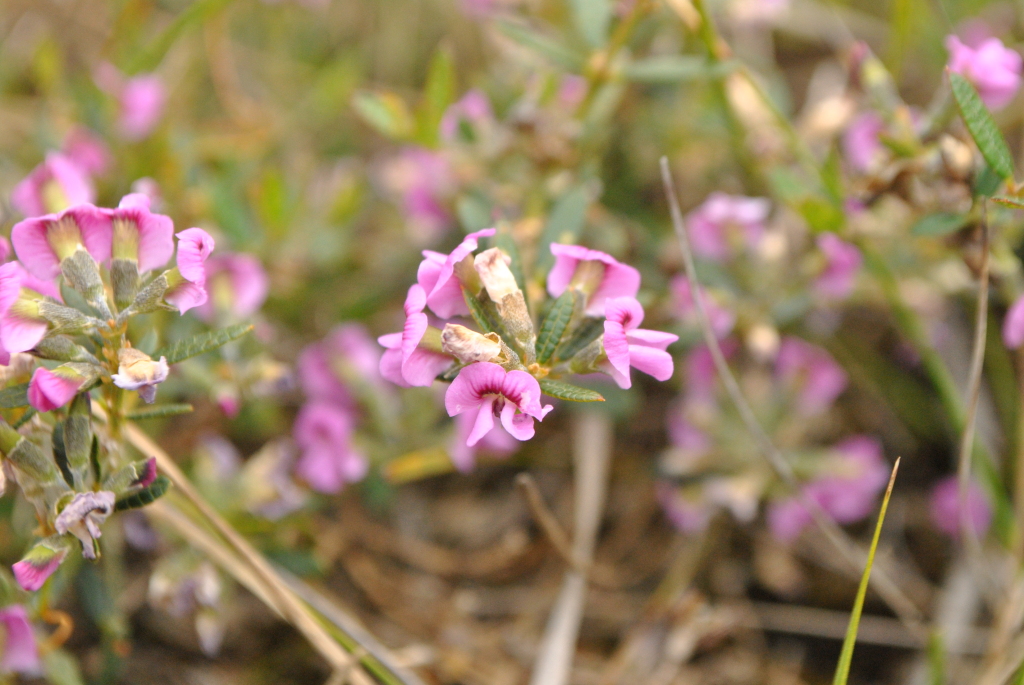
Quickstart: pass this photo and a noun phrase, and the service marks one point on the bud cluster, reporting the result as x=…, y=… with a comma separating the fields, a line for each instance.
x=500, y=369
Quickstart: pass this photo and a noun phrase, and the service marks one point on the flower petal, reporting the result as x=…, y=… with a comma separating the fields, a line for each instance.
x=483, y=422
x=519, y=426
x=469, y=387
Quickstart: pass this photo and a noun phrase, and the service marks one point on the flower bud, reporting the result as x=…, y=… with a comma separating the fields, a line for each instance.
x=40, y=562
x=492, y=266
x=82, y=518
x=501, y=286
x=61, y=348
x=137, y=371
x=469, y=346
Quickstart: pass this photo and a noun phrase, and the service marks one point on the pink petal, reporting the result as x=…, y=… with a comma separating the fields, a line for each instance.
x=31, y=577
x=649, y=338
x=156, y=231
x=787, y=519
x=48, y=391
x=21, y=654
x=524, y=391
x=96, y=229
x=88, y=151
x=194, y=246
x=945, y=507
x=422, y=367
x=442, y=294
x=142, y=103
x=185, y=296
x=519, y=426
x=469, y=387
x=620, y=280
x=21, y=334
x=317, y=467
x=391, y=366
x=1013, y=325
x=484, y=421
x=616, y=347
x=652, y=361
x=32, y=248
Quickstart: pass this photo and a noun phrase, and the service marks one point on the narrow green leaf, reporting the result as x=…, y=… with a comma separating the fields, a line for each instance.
x=564, y=225
x=486, y=315
x=204, y=342
x=846, y=655
x=146, y=495
x=386, y=112
x=1006, y=201
x=159, y=411
x=986, y=182
x=530, y=37
x=194, y=14
x=14, y=396
x=675, y=69
x=586, y=333
x=569, y=392
x=940, y=224
x=983, y=128
x=592, y=18
x=553, y=327
x=438, y=93
x=25, y=418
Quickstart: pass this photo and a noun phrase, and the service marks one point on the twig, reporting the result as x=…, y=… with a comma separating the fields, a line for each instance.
x=592, y=442
x=880, y=581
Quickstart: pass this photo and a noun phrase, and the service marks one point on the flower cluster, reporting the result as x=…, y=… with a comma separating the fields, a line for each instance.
x=500, y=372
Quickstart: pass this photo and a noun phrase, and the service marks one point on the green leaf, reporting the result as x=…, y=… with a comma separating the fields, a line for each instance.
x=25, y=418
x=438, y=93
x=159, y=411
x=587, y=332
x=940, y=224
x=565, y=223
x=14, y=396
x=983, y=128
x=846, y=655
x=485, y=314
x=386, y=112
x=204, y=342
x=146, y=495
x=568, y=392
x=530, y=37
x=553, y=327
x=194, y=14
x=675, y=68
x=592, y=18
x=1006, y=201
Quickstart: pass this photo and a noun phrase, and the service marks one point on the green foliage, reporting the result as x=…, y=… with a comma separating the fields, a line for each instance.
x=438, y=93
x=676, y=69
x=386, y=113
x=146, y=495
x=201, y=343
x=14, y=396
x=939, y=224
x=569, y=392
x=592, y=18
x=192, y=16
x=555, y=323
x=846, y=655
x=159, y=411
x=983, y=128
x=535, y=40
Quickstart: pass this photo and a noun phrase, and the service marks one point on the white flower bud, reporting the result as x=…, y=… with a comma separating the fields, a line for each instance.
x=137, y=371
x=469, y=346
x=492, y=267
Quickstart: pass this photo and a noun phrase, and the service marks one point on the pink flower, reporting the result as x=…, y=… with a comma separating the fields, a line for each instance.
x=787, y=519
x=237, y=283
x=140, y=100
x=497, y=442
x=42, y=242
x=328, y=462
x=613, y=279
x=862, y=146
x=139, y=235
x=945, y=507
x=687, y=514
x=722, y=320
x=422, y=179
x=571, y=92
x=405, y=363
x=88, y=151
x=1013, y=325
x=811, y=372
x=49, y=390
x=713, y=223
x=993, y=68
x=53, y=186
x=21, y=326
x=473, y=108
x=842, y=264
x=37, y=566
x=627, y=345
x=188, y=291
x=701, y=374
x=436, y=275
x=21, y=654
x=486, y=390
x=348, y=354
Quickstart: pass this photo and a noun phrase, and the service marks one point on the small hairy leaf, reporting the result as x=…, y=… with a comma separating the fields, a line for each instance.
x=146, y=495
x=1006, y=201
x=569, y=392
x=942, y=223
x=553, y=327
x=587, y=332
x=159, y=411
x=14, y=396
x=204, y=342
x=983, y=128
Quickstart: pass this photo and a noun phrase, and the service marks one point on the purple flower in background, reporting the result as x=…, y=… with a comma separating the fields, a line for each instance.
x=627, y=345
x=862, y=145
x=842, y=264
x=687, y=514
x=141, y=100
x=323, y=434
x=486, y=390
x=701, y=373
x=571, y=91
x=53, y=186
x=422, y=179
x=597, y=274
x=237, y=284
x=725, y=220
x=722, y=320
x=496, y=442
x=811, y=372
x=945, y=507
x=436, y=275
x=20, y=651
x=473, y=109
x=994, y=69
x=405, y=363
x=347, y=355
x=88, y=151
x=1013, y=324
